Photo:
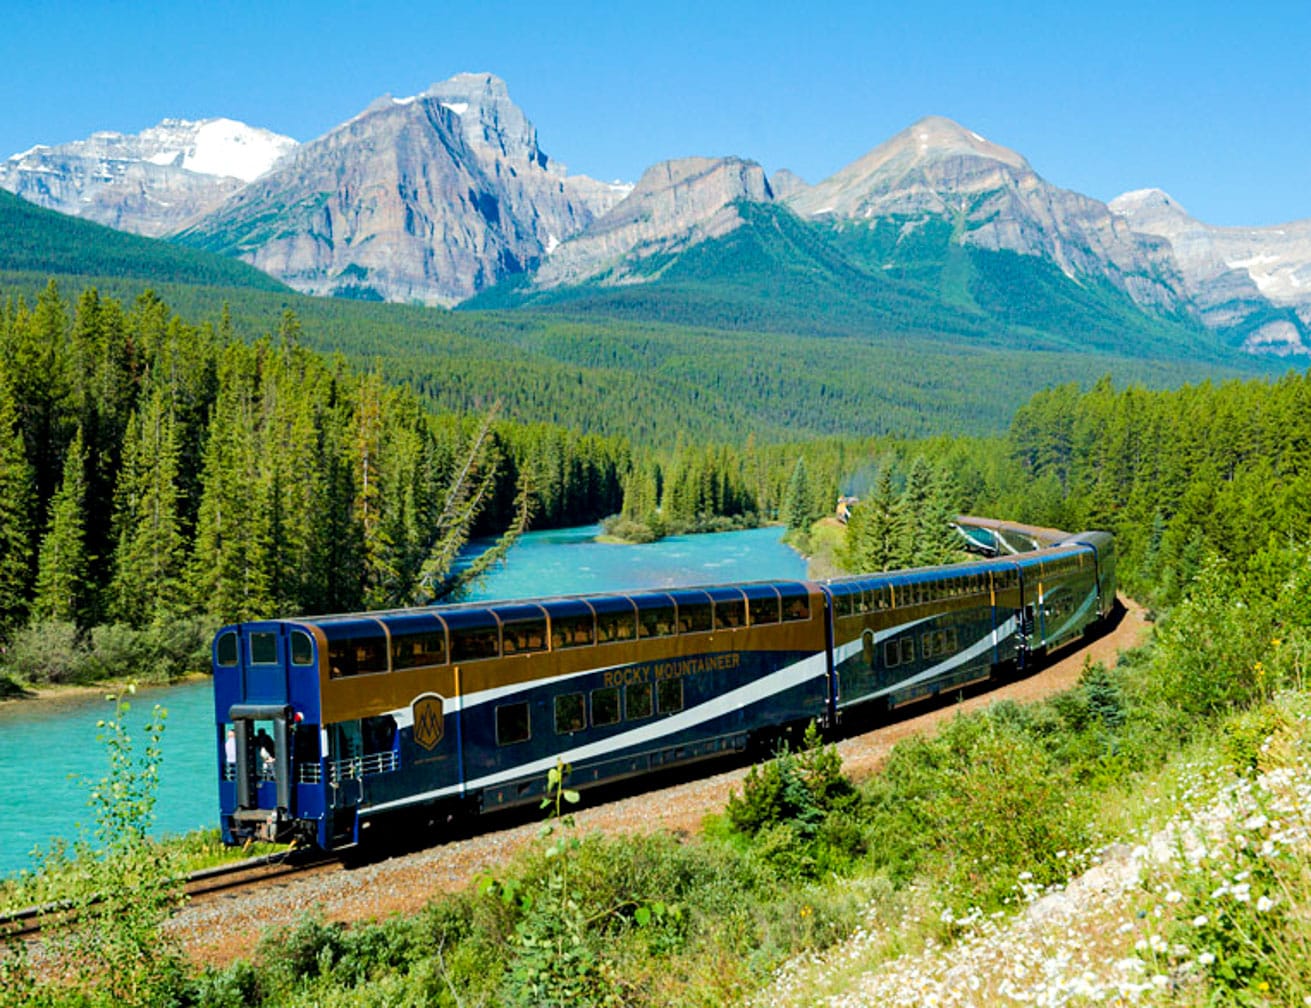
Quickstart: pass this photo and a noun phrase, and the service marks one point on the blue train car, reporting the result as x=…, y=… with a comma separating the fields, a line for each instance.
x=466, y=707
x=904, y=635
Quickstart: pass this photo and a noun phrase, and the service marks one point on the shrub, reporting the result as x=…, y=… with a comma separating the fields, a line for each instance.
x=801, y=810
x=974, y=806
x=48, y=652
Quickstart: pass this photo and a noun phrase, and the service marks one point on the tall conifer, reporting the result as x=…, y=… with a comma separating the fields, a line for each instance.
x=16, y=504
x=61, y=580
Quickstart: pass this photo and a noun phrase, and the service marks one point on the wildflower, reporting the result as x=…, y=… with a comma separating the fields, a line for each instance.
x=1199, y=921
x=1173, y=896
x=1264, y=904
x=1206, y=958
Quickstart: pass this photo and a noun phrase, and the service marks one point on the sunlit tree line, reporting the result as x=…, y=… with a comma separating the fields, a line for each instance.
x=152, y=468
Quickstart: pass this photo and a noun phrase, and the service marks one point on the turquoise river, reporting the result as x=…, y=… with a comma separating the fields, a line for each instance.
x=48, y=748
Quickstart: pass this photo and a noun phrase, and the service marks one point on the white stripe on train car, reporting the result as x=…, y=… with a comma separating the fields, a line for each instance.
x=981, y=645
x=812, y=667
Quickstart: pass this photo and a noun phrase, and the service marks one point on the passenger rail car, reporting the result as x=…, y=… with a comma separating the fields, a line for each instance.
x=328, y=725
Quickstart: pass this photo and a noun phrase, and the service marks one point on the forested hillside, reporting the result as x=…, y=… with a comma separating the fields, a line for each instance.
x=651, y=382
x=158, y=476
x=1177, y=475
x=51, y=243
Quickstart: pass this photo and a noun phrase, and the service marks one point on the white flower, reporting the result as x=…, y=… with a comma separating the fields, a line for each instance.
x=1199, y=920
x=1173, y=896
x=1264, y=904
x=1206, y=958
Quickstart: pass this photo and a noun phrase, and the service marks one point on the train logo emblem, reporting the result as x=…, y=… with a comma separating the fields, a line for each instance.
x=428, y=721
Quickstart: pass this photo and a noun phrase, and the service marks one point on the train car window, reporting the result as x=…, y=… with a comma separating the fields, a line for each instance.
x=843, y=605
x=346, y=745
x=305, y=745
x=572, y=631
x=474, y=643
x=669, y=696
x=938, y=643
x=730, y=614
x=263, y=648
x=512, y=724
x=637, y=701
x=524, y=636
x=357, y=656
x=657, y=621
x=570, y=713
x=616, y=626
x=226, y=649
x=695, y=618
x=764, y=610
x=418, y=650
x=899, y=652
x=605, y=706
x=796, y=608
x=378, y=734
x=302, y=648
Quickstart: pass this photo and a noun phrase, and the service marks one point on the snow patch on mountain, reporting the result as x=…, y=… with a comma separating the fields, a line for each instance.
x=230, y=148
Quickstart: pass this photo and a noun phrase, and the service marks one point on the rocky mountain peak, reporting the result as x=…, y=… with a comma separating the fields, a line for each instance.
x=151, y=182
x=937, y=138
x=428, y=198
x=994, y=200
x=1235, y=275
x=674, y=205
x=488, y=117
x=787, y=184
x=912, y=171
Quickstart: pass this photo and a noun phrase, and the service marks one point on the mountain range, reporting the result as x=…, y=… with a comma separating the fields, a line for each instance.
x=446, y=198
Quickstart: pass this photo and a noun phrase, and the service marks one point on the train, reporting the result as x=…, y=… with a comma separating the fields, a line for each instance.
x=328, y=729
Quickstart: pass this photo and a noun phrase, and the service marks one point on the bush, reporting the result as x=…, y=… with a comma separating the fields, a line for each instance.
x=49, y=652
x=159, y=652
x=801, y=811
x=627, y=530
x=974, y=807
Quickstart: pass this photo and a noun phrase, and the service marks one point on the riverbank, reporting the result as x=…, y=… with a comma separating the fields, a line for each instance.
x=56, y=694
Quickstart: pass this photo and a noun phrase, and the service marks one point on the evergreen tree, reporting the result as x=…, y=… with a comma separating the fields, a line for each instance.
x=228, y=571
x=148, y=560
x=876, y=530
x=39, y=371
x=928, y=507
x=796, y=510
x=16, y=505
x=61, y=580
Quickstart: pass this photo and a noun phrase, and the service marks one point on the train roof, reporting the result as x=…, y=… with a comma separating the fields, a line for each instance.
x=471, y=614
x=489, y=613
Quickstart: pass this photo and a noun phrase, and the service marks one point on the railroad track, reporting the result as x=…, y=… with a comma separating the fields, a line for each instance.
x=30, y=921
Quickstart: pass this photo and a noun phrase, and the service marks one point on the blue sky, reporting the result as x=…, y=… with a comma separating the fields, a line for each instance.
x=1211, y=102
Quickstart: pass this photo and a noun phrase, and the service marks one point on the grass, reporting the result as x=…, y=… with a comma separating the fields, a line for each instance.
x=191, y=852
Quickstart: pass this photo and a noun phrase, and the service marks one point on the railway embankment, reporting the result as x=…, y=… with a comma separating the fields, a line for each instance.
x=1133, y=829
